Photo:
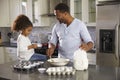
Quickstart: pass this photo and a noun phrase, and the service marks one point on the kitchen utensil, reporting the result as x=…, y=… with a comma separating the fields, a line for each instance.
x=51, y=59
x=58, y=61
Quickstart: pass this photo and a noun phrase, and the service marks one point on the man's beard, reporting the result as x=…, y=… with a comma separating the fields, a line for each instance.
x=61, y=21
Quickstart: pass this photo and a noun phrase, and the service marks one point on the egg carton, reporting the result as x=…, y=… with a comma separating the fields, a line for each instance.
x=60, y=71
x=27, y=65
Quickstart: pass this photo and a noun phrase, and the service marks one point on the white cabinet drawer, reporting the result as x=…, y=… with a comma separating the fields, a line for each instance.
x=11, y=50
x=91, y=58
x=11, y=53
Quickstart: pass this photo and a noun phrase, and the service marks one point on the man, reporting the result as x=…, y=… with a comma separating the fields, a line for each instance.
x=69, y=33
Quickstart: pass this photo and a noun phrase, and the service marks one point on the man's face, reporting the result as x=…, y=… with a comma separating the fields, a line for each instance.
x=60, y=16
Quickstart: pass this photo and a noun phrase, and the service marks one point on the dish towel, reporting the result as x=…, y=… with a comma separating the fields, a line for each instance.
x=80, y=60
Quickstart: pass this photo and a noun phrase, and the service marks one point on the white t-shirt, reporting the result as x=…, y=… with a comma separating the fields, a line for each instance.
x=22, y=48
x=70, y=38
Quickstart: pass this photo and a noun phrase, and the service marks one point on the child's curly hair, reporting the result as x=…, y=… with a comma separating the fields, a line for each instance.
x=21, y=22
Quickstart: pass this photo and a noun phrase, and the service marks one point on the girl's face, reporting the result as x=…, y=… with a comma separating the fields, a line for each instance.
x=27, y=31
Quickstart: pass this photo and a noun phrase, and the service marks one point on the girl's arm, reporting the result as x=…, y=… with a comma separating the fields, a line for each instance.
x=33, y=46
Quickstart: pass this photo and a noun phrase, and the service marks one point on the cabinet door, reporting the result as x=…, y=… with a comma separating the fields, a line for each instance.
x=39, y=9
x=91, y=58
x=2, y=56
x=9, y=10
x=92, y=11
x=77, y=9
x=4, y=13
x=11, y=54
x=84, y=10
x=14, y=9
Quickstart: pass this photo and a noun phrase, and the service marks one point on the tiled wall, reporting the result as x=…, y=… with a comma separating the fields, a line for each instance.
x=4, y=31
x=92, y=31
x=40, y=34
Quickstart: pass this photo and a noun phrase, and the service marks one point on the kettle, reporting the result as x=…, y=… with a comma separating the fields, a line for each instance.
x=13, y=37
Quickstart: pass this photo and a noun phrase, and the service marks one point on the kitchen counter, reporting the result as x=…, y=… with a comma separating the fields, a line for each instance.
x=8, y=44
x=93, y=73
x=37, y=50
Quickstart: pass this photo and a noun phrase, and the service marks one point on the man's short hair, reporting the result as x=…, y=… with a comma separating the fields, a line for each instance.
x=62, y=7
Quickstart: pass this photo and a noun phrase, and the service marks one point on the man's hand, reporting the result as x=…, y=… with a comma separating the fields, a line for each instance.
x=50, y=50
x=87, y=46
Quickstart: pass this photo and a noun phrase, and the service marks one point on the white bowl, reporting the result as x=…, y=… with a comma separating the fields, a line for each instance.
x=58, y=61
x=42, y=70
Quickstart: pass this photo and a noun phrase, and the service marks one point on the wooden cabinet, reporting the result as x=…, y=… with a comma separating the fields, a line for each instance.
x=40, y=12
x=9, y=9
x=39, y=8
x=10, y=54
x=2, y=55
x=4, y=13
x=34, y=9
x=84, y=10
x=14, y=10
x=7, y=54
x=91, y=58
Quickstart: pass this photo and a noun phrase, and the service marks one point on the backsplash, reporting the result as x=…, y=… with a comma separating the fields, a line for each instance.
x=92, y=31
x=40, y=34
x=4, y=31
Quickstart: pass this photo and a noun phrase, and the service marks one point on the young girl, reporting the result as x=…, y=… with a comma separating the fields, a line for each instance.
x=25, y=50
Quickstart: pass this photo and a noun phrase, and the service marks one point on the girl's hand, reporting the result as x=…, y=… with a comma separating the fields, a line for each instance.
x=34, y=46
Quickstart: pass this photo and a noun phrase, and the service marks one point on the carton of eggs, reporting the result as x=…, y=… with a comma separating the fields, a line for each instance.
x=27, y=65
x=64, y=70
